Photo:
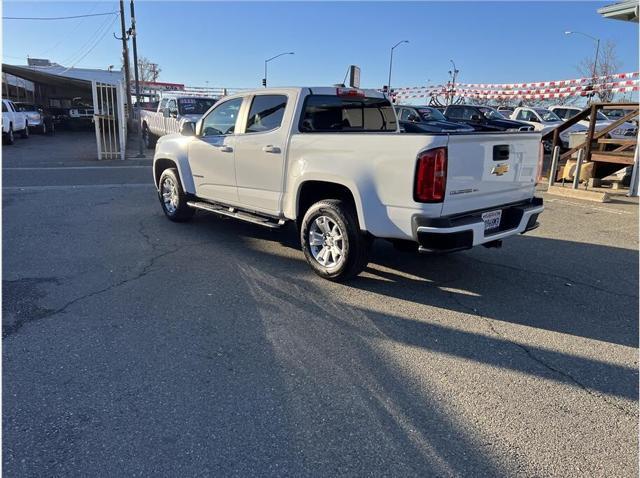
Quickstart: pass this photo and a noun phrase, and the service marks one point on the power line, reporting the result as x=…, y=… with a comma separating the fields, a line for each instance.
x=93, y=46
x=89, y=41
x=68, y=33
x=60, y=18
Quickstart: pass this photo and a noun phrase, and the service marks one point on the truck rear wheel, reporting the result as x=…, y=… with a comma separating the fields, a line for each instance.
x=332, y=242
x=25, y=132
x=172, y=197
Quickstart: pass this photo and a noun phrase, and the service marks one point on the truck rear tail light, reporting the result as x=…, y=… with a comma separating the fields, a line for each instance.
x=431, y=176
x=350, y=92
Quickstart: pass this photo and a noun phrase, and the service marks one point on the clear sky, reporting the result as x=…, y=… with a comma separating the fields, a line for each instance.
x=225, y=44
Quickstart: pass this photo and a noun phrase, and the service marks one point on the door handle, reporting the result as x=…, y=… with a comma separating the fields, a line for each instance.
x=271, y=149
x=225, y=149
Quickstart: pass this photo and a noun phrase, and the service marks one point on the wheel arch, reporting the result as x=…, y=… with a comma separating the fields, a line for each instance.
x=184, y=172
x=311, y=191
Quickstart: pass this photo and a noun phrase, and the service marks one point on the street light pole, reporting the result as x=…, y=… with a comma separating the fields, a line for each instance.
x=391, y=63
x=264, y=80
x=594, y=73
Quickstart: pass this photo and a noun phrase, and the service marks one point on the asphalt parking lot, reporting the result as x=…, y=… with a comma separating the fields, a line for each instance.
x=136, y=346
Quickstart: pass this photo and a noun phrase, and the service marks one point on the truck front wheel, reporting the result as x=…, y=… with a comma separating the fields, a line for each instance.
x=8, y=137
x=172, y=197
x=332, y=242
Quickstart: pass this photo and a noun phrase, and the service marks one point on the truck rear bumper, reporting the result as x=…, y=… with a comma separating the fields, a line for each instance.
x=448, y=234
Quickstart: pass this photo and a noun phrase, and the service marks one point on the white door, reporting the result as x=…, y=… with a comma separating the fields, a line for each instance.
x=260, y=152
x=211, y=154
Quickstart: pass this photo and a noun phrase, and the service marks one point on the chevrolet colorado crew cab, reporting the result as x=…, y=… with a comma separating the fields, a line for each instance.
x=334, y=161
x=171, y=113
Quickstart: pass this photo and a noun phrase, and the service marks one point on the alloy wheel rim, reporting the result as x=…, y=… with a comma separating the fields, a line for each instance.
x=169, y=193
x=326, y=242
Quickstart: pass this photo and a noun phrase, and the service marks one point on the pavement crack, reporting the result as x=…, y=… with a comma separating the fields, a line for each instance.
x=10, y=329
x=557, y=276
x=566, y=375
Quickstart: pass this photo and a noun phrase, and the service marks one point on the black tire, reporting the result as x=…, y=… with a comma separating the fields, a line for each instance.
x=148, y=137
x=25, y=132
x=9, y=138
x=179, y=212
x=356, y=244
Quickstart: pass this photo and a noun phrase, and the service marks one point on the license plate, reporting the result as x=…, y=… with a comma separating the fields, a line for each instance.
x=491, y=219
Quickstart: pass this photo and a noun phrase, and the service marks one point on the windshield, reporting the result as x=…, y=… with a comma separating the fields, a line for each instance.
x=601, y=117
x=431, y=114
x=490, y=113
x=194, y=106
x=547, y=115
x=25, y=107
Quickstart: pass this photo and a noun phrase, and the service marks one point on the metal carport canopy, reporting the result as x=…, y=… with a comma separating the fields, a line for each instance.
x=38, y=76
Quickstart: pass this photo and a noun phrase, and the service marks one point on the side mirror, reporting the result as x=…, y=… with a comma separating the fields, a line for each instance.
x=475, y=118
x=413, y=118
x=188, y=128
x=173, y=113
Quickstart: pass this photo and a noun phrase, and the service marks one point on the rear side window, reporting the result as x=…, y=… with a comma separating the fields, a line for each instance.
x=266, y=113
x=328, y=113
x=4, y=107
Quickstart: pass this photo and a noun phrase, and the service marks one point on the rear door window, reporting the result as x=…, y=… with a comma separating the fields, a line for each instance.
x=266, y=113
x=328, y=113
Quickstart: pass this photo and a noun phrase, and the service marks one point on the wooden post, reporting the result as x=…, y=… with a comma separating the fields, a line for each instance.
x=591, y=131
x=554, y=165
x=576, y=174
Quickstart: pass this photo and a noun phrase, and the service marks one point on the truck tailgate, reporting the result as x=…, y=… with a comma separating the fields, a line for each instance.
x=487, y=170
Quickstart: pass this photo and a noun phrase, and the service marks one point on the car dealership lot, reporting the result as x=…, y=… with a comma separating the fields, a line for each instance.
x=133, y=345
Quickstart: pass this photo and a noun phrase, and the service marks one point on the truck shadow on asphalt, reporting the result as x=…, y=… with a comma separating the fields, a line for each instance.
x=535, y=282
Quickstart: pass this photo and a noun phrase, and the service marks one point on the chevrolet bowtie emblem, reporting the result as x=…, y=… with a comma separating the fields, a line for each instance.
x=500, y=169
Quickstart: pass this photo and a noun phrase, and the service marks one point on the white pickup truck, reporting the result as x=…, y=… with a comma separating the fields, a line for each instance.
x=334, y=161
x=172, y=112
x=13, y=121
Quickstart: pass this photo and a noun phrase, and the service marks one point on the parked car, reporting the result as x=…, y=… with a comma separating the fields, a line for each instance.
x=334, y=161
x=80, y=117
x=483, y=118
x=39, y=118
x=505, y=110
x=625, y=130
x=617, y=113
x=13, y=121
x=170, y=114
x=544, y=120
x=424, y=119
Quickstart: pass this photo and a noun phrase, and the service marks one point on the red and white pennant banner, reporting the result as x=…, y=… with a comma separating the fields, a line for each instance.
x=539, y=90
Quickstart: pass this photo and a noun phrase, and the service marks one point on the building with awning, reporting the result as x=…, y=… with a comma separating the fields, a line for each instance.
x=99, y=94
x=626, y=11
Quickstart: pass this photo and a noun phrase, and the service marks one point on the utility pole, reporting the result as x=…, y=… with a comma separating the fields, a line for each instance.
x=125, y=54
x=452, y=90
x=133, y=34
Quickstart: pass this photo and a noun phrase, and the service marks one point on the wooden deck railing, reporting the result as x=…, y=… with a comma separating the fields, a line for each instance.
x=594, y=147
